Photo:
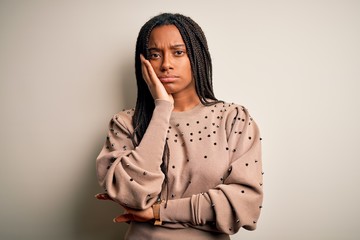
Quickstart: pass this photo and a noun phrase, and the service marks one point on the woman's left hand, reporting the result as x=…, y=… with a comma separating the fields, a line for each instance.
x=129, y=214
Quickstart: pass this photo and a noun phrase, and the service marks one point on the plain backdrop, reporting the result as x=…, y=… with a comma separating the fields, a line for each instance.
x=67, y=66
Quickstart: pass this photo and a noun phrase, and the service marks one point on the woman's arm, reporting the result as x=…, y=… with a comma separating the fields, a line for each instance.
x=132, y=176
x=237, y=201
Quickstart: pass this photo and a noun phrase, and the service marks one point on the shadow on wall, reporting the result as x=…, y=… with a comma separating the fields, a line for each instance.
x=93, y=218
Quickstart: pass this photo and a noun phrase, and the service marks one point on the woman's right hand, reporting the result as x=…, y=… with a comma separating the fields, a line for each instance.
x=156, y=88
x=129, y=215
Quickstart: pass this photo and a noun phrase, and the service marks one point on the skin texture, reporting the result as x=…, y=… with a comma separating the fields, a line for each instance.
x=168, y=75
x=171, y=64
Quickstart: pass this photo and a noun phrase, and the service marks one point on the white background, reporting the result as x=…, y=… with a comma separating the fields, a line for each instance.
x=67, y=66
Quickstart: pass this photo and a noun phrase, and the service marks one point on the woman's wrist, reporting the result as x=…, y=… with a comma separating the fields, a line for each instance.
x=156, y=212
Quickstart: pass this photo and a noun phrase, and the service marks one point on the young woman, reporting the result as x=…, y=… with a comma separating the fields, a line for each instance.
x=183, y=164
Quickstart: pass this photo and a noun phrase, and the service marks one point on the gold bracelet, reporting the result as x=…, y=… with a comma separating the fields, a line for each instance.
x=156, y=210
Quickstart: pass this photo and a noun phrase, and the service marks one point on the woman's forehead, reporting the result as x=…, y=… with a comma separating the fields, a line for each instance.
x=165, y=35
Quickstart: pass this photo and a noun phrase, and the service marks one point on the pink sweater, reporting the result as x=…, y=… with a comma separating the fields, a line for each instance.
x=214, y=172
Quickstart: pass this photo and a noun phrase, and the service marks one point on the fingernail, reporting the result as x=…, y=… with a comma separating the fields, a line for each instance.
x=114, y=220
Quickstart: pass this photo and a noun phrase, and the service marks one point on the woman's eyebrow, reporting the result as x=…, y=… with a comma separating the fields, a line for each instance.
x=177, y=46
x=153, y=49
x=171, y=47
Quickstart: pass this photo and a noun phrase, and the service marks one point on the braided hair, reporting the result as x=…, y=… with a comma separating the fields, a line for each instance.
x=200, y=61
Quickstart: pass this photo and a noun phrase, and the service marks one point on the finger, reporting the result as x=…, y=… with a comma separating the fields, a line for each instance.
x=142, y=58
x=146, y=75
x=144, y=70
x=124, y=218
x=151, y=72
x=103, y=196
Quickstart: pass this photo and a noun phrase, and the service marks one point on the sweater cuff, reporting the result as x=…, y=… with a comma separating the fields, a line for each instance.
x=164, y=104
x=195, y=210
x=178, y=210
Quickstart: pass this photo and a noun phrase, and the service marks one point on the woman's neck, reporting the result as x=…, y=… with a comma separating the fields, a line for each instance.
x=184, y=103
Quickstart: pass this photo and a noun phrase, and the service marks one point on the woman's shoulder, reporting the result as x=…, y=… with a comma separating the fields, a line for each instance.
x=226, y=108
x=125, y=113
x=123, y=118
x=229, y=111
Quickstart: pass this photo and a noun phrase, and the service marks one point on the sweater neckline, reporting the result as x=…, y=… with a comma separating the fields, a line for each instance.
x=189, y=112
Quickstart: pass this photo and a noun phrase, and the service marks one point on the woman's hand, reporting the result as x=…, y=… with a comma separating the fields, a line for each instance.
x=129, y=214
x=135, y=215
x=156, y=88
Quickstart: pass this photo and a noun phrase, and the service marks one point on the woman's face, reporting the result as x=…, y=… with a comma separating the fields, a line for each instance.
x=168, y=57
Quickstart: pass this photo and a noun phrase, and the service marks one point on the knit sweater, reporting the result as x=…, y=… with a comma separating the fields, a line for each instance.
x=214, y=172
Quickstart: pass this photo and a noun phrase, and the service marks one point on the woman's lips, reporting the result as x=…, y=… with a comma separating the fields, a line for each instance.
x=168, y=79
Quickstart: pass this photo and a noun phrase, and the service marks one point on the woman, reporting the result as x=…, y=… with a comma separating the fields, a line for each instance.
x=183, y=164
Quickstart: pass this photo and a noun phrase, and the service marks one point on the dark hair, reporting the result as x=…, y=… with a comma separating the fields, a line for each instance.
x=200, y=61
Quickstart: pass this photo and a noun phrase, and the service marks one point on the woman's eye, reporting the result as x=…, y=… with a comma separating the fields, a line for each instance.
x=154, y=55
x=179, y=53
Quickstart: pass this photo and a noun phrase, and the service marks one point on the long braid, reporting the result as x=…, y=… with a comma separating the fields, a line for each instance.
x=200, y=59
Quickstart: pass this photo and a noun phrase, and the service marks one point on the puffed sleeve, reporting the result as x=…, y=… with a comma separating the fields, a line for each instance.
x=237, y=201
x=131, y=175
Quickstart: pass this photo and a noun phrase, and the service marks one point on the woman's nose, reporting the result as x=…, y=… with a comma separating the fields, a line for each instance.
x=166, y=63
